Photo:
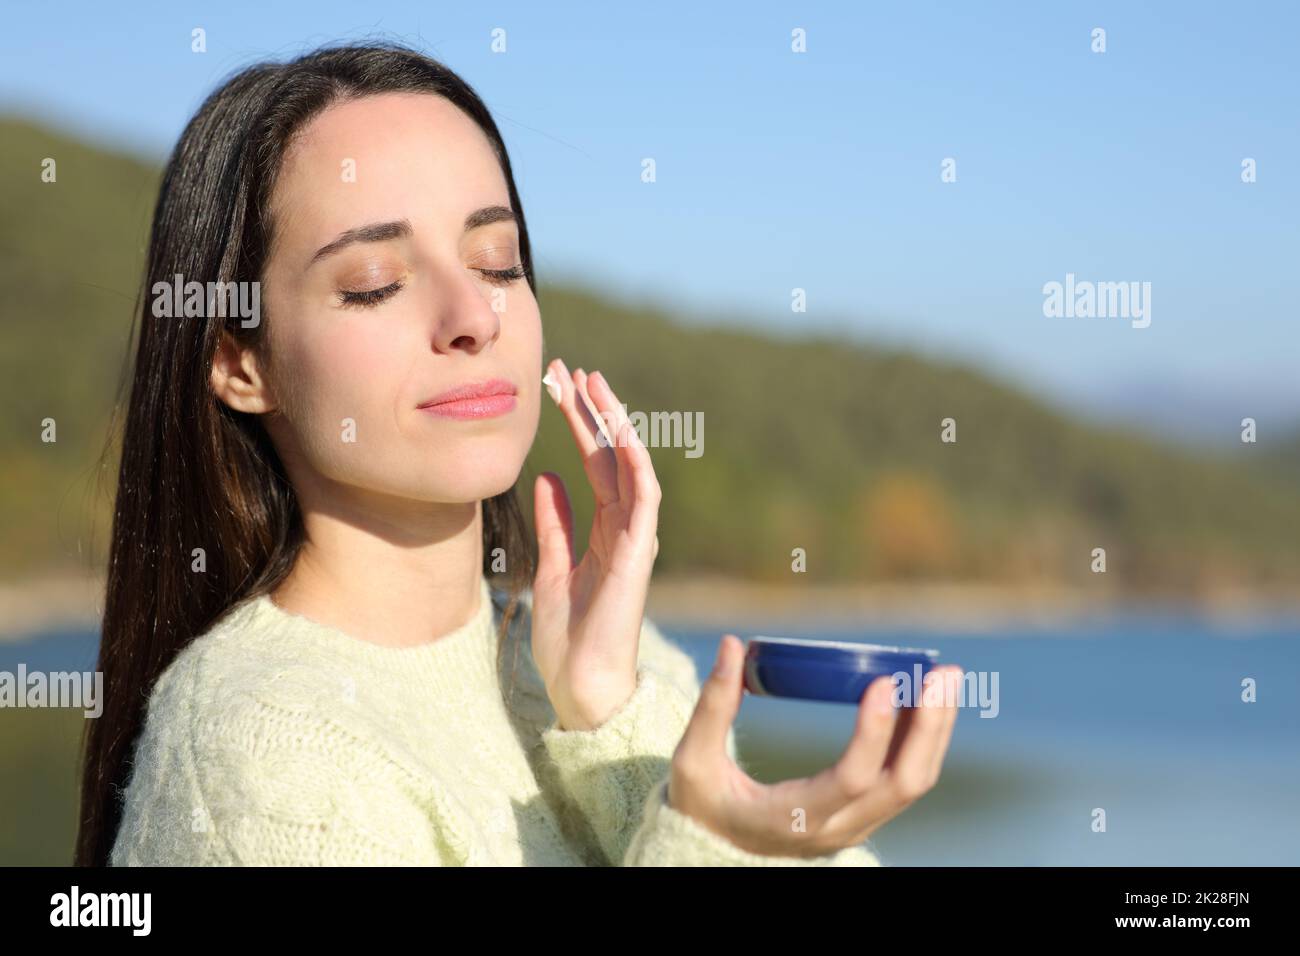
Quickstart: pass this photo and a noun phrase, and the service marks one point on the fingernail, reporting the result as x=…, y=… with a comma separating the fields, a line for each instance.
x=552, y=385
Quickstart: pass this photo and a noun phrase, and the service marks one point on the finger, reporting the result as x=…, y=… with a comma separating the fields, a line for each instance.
x=614, y=419
x=604, y=438
x=910, y=771
x=860, y=766
x=638, y=484
x=602, y=464
x=949, y=722
x=597, y=462
x=573, y=415
x=902, y=727
x=553, y=515
x=705, y=739
x=880, y=804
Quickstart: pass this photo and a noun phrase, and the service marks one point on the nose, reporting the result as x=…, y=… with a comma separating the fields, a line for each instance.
x=466, y=320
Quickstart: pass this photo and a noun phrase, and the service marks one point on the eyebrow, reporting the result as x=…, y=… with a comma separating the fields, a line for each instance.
x=401, y=229
x=488, y=215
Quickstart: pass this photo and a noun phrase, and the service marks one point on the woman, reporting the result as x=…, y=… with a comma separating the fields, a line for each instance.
x=302, y=653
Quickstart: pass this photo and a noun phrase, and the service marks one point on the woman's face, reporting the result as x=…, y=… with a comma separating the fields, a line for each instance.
x=391, y=216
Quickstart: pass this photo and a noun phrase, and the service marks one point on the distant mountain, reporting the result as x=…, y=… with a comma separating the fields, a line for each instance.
x=1201, y=414
x=838, y=445
x=819, y=444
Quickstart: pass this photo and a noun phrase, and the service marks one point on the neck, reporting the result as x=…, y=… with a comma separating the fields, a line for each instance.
x=388, y=570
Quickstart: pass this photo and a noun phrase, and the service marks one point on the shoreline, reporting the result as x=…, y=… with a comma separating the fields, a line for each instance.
x=53, y=602
x=733, y=605
x=50, y=602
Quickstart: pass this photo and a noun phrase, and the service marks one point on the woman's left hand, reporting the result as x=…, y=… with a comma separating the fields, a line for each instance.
x=587, y=615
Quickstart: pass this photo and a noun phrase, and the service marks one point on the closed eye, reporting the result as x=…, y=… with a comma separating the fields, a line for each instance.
x=368, y=297
x=504, y=276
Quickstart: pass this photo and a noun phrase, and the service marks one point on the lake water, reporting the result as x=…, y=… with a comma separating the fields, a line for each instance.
x=1140, y=715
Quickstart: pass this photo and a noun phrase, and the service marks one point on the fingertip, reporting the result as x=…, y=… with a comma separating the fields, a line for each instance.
x=562, y=372
x=726, y=666
x=878, y=694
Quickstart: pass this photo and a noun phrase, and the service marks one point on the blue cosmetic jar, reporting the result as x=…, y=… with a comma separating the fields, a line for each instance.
x=837, y=671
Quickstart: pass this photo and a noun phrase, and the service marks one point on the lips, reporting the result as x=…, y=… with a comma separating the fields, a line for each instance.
x=495, y=386
x=474, y=400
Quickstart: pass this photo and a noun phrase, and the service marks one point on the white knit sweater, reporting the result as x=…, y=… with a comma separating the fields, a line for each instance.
x=273, y=739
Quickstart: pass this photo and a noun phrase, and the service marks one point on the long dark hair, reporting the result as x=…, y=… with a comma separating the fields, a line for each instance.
x=193, y=472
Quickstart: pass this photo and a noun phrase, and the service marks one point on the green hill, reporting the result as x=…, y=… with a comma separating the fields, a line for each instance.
x=818, y=444
x=70, y=260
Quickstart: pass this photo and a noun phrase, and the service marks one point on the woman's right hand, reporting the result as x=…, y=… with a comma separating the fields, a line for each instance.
x=890, y=762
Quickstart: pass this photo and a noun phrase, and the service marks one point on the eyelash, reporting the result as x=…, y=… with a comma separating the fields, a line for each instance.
x=370, y=296
x=504, y=276
x=373, y=297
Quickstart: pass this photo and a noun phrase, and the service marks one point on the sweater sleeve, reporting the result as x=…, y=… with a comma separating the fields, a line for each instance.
x=618, y=772
x=258, y=786
x=609, y=771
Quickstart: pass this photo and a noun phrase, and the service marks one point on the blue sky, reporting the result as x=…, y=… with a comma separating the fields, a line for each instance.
x=821, y=170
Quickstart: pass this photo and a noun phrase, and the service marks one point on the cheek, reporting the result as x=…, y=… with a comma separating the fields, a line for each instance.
x=524, y=321
x=351, y=372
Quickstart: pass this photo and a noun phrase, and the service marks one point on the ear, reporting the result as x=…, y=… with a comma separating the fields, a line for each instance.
x=237, y=377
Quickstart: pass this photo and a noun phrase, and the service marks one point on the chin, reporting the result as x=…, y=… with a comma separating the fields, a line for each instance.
x=478, y=488
x=476, y=477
